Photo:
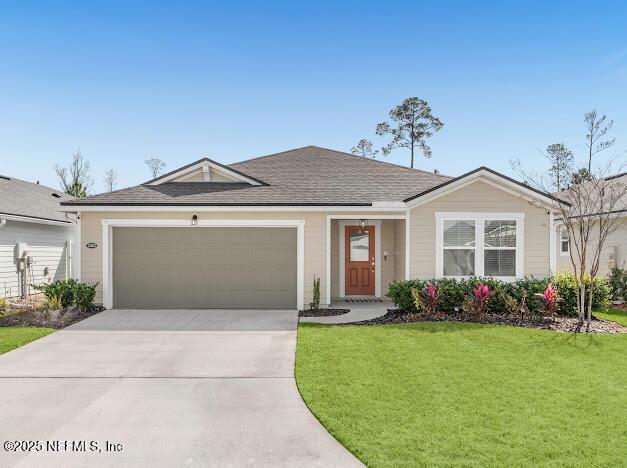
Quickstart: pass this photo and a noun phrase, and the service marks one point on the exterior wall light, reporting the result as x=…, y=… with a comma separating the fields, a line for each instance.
x=194, y=220
x=362, y=223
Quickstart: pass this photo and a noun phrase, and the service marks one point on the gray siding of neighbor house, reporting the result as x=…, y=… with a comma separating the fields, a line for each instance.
x=47, y=245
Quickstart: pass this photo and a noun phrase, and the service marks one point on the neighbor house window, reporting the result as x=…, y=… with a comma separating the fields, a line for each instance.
x=564, y=242
x=479, y=244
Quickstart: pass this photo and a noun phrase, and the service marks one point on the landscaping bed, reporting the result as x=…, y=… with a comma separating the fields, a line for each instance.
x=322, y=312
x=563, y=324
x=55, y=319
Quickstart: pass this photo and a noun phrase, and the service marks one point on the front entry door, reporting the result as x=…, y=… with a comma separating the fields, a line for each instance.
x=359, y=261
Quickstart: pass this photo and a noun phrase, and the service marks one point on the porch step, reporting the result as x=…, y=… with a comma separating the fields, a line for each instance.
x=362, y=300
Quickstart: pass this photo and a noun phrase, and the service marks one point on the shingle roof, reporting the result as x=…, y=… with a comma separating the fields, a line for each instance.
x=303, y=176
x=21, y=198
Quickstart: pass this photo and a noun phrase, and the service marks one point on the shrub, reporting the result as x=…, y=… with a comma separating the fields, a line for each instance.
x=63, y=294
x=316, y=294
x=477, y=302
x=53, y=303
x=426, y=299
x=451, y=293
x=515, y=307
x=618, y=283
x=84, y=295
x=549, y=299
x=566, y=284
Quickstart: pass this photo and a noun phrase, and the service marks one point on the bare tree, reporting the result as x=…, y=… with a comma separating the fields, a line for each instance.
x=414, y=124
x=364, y=148
x=596, y=128
x=591, y=215
x=110, y=180
x=75, y=179
x=155, y=165
x=590, y=209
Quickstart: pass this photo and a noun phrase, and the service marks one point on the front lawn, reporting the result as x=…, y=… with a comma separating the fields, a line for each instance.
x=617, y=315
x=444, y=394
x=14, y=337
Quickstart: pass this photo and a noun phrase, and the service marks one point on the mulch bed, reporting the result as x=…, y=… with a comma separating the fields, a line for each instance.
x=56, y=319
x=563, y=324
x=322, y=312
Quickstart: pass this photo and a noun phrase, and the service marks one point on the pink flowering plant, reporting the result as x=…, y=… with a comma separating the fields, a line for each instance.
x=478, y=302
x=426, y=300
x=549, y=299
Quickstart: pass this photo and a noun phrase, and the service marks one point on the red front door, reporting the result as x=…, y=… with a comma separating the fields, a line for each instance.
x=359, y=261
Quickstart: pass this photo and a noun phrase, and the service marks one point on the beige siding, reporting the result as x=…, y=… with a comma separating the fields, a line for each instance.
x=399, y=249
x=478, y=197
x=616, y=245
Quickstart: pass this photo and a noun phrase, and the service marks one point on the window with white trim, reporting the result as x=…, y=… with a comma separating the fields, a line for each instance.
x=458, y=247
x=564, y=241
x=479, y=244
x=499, y=247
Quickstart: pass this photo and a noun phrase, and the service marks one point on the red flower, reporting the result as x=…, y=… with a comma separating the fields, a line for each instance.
x=431, y=291
x=482, y=292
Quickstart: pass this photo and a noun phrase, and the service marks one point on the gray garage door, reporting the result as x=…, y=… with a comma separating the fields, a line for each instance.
x=200, y=267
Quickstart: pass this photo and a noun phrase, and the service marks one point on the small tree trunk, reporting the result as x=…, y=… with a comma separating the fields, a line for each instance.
x=581, y=302
x=590, y=293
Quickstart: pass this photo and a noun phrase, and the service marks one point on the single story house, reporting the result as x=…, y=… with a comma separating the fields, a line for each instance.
x=37, y=240
x=614, y=251
x=255, y=234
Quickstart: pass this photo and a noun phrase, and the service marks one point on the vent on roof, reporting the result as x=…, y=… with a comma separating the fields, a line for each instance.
x=4, y=177
x=56, y=195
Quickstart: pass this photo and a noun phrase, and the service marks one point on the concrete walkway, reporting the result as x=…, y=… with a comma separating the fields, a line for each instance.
x=174, y=388
x=359, y=311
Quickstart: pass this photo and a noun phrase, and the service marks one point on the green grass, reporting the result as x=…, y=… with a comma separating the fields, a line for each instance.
x=616, y=315
x=460, y=394
x=14, y=337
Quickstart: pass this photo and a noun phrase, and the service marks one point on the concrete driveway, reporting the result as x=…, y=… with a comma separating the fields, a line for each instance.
x=163, y=388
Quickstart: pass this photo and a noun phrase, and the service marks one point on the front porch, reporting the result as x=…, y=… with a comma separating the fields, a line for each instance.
x=364, y=256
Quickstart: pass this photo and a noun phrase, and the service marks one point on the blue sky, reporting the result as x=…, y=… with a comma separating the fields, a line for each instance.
x=236, y=80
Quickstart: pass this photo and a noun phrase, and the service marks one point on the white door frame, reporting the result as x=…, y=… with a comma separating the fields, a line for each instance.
x=354, y=217
x=107, y=250
x=377, y=253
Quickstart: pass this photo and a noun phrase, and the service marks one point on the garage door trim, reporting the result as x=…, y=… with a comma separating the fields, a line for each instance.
x=107, y=250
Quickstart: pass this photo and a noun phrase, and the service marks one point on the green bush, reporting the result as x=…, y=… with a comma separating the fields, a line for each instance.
x=84, y=295
x=618, y=283
x=453, y=291
x=69, y=293
x=566, y=284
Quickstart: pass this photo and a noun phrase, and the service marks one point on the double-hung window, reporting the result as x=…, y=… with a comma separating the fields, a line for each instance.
x=479, y=244
x=564, y=241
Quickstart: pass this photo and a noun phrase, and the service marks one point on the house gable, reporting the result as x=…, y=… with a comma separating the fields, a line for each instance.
x=488, y=177
x=205, y=170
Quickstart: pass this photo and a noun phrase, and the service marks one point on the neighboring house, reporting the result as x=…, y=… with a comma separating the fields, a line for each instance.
x=36, y=238
x=255, y=234
x=614, y=252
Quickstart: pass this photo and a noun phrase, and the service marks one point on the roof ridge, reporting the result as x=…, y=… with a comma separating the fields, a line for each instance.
x=346, y=154
x=273, y=154
x=385, y=162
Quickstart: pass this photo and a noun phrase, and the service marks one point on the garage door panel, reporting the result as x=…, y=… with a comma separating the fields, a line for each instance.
x=204, y=267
